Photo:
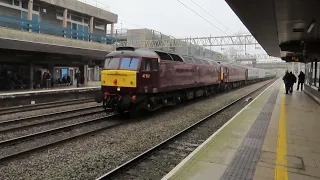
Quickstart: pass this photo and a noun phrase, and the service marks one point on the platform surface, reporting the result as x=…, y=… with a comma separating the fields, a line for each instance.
x=276, y=136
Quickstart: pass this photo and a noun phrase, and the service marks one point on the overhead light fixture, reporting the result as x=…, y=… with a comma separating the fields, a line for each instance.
x=313, y=23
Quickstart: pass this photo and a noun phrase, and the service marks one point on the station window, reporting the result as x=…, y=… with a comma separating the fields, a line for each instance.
x=76, y=18
x=146, y=65
x=99, y=25
x=24, y=5
x=36, y=8
x=16, y=2
x=59, y=15
x=85, y=20
x=129, y=63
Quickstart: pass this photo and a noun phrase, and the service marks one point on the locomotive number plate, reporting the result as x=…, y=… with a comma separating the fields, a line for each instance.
x=146, y=76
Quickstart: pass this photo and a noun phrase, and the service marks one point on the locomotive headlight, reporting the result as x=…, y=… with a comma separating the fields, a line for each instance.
x=118, y=89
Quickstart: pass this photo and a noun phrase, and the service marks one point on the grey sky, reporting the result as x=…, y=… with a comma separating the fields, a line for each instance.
x=172, y=18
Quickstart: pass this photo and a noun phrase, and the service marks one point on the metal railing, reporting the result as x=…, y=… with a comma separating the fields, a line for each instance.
x=96, y=4
x=44, y=28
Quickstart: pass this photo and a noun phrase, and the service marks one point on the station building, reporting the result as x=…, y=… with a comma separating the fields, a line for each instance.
x=59, y=37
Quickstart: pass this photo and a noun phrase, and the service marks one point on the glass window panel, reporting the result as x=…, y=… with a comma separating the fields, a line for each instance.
x=129, y=63
x=111, y=63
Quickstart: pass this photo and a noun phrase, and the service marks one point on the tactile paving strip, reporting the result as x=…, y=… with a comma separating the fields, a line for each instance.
x=243, y=164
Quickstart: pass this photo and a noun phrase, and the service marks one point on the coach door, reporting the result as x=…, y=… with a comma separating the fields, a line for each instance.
x=224, y=74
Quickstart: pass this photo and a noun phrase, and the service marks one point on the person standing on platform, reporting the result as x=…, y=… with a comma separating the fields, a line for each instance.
x=292, y=80
x=78, y=77
x=48, y=78
x=301, y=79
x=286, y=79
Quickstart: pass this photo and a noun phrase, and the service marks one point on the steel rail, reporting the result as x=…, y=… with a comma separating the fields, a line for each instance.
x=17, y=109
x=16, y=141
x=39, y=117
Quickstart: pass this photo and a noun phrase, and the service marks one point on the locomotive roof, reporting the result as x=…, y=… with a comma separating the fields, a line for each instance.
x=133, y=52
x=162, y=55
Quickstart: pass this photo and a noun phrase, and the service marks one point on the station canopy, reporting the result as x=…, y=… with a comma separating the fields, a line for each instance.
x=285, y=28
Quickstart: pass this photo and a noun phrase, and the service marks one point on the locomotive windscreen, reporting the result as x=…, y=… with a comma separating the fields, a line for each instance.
x=129, y=63
x=123, y=63
x=111, y=63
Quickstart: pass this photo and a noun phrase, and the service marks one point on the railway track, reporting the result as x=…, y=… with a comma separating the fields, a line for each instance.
x=24, y=145
x=17, y=109
x=43, y=119
x=157, y=161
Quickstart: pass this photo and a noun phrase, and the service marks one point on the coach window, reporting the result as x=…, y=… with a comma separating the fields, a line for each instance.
x=146, y=64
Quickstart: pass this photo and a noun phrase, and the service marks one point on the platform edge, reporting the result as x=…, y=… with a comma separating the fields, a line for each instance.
x=188, y=158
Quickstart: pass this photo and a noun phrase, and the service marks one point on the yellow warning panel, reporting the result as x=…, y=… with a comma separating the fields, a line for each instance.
x=119, y=78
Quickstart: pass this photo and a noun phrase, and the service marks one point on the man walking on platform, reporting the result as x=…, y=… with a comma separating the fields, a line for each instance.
x=292, y=80
x=286, y=79
x=301, y=79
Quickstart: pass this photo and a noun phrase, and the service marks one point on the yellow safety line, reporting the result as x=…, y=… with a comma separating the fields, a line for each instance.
x=281, y=172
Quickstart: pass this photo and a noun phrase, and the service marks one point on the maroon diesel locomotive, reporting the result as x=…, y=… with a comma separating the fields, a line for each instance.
x=137, y=78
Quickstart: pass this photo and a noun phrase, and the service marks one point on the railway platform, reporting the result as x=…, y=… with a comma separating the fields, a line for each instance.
x=276, y=136
x=27, y=97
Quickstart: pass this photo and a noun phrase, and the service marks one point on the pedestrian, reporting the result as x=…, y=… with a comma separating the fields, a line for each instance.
x=301, y=79
x=286, y=79
x=48, y=79
x=292, y=80
x=78, y=77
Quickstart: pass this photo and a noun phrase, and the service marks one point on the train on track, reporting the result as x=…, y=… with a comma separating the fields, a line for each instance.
x=137, y=78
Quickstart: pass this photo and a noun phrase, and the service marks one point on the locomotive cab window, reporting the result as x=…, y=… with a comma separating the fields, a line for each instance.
x=129, y=63
x=111, y=63
x=146, y=64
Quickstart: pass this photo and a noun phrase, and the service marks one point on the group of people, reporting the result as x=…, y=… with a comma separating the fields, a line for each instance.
x=290, y=79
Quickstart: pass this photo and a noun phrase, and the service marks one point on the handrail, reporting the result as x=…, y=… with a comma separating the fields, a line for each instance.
x=45, y=28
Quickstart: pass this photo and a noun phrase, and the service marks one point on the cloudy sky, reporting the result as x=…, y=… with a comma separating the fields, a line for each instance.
x=174, y=17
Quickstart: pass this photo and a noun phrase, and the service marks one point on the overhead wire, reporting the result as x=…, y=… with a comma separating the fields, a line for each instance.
x=210, y=15
x=202, y=17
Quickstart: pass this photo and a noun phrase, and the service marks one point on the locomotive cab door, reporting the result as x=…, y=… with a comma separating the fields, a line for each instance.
x=155, y=75
x=149, y=74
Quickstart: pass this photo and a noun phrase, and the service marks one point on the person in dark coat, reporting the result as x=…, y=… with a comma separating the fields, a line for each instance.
x=286, y=79
x=292, y=80
x=301, y=79
x=78, y=77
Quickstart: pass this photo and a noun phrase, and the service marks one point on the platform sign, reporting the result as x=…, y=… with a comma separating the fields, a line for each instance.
x=292, y=59
x=295, y=59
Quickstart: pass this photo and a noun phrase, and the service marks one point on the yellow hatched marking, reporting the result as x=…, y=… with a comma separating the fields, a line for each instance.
x=281, y=172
